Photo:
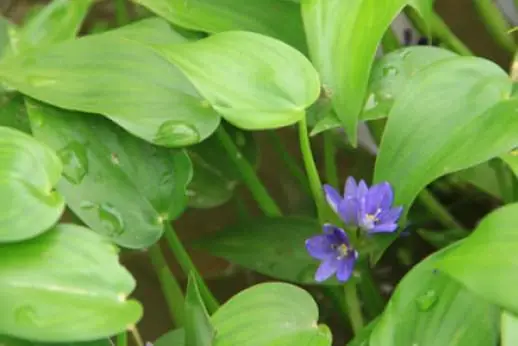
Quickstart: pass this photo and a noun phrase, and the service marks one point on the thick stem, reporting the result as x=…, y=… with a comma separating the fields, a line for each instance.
x=122, y=339
x=330, y=159
x=353, y=306
x=439, y=30
x=188, y=266
x=495, y=23
x=170, y=286
x=250, y=178
x=136, y=336
x=121, y=12
x=438, y=210
x=311, y=170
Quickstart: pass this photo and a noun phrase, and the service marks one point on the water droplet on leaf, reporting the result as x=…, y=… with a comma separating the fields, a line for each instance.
x=389, y=71
x=111, y=219
x=75, y=162
x=175, y=134
x=426, y=301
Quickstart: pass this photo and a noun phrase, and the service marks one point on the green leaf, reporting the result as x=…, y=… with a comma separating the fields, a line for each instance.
x=121, y=187
x=509, y=329
x=116, y=75
x=475, y=123
x=430, y=309
x=362, y=338
x=9, y=341
x=270, y=246
x=58, y=21
x=65, y=285
x=5, y=26
x=269, y=84
x=13, y=113
x=443, y=238
x=270, y=314
x=485, y=262
x=334, y=29
x=198, y=328
x=481, y=176
x=274, y=18
x=175, y=337
x=215, y=175
x=28, y=173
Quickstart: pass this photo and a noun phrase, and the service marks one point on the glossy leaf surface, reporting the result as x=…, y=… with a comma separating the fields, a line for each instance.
x=485, y=262
x=65, y=285
x=270, y=246
x=116, y=75
x=279, y=19
x=29, y=171
x=270, y=87
x=121, y=187
x=427, y=301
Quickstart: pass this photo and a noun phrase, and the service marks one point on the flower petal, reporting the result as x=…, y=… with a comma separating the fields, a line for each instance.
x=332, y=197
x=348, y=211
x=319, y=247
x=345, y=268
x=375, y=197
x=388, y=196
x=327, y=269
x=362, y=190
x=384, y=228
x=351, y=188
x=391, y=215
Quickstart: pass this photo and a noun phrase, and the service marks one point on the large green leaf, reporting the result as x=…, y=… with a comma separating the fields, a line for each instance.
x=509, y=329
x=430, y=309
x=120, y=186
x=58, y=21
x=28, y=173
x=270, y=314
x=116, y=75
x=215, y=176
x=270, y=246
x=198, y=327
x=175, y=337
x=343, y=37
x=274, y=18
x=255, y=82
x=486, y=262
x=9, y=341
x=65, y=285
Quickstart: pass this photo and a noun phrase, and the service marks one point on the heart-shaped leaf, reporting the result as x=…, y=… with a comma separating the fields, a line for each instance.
x=270, y=87
x=116, y=75
x=120, y=186
x=430, y=309
x=28, y=173
x=65, y=285
x=485, y=262
x=274, y=18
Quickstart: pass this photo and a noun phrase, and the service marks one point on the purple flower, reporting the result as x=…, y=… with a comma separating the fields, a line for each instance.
x=334, y=250
x=368, y=208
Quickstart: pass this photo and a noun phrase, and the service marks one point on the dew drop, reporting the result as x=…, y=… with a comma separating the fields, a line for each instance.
x=426, y=301
x=389, y=71
x=111, y=219
x=26, y=316
x=173, y=133
x=75, y=162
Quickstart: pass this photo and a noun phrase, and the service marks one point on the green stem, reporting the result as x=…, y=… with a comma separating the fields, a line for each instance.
x=122, y=339
x=390, y=41
x=309, y=163
x=250, y=178
x=188, y=266
x=373, y=301
x=353, y=306
x=438, y=210
x=439, y=30
x=136, y=336
x=121, y=12
x=170, y=287
x=495, y=23
x=289, y=161
x=330, y=159
x=504, y=184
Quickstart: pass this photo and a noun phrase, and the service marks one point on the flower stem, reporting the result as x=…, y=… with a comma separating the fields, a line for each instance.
x=188, y=266
x=289, y=161
x=136, y=336
x=122, y=339
x=439, y=30
x=250, y=178
x=170, y=286
x=330, y=159
x=353, y=306
x=495, y=23
x=121, y=12
x=438, y=210
x=311, y=170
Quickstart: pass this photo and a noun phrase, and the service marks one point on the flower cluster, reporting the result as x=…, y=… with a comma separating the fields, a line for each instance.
x=369, y=209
